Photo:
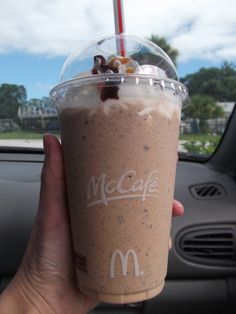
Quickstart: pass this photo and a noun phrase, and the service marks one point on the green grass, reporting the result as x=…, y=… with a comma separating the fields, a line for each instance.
x=18, y=135
x=198, y=144
x=199, y=137
x=193, y=143
x=37, y=136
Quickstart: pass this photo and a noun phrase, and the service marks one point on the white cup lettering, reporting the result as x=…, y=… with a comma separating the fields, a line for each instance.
x=137, y=186
x=102, y=191
x=109, y=189
x=121, y=179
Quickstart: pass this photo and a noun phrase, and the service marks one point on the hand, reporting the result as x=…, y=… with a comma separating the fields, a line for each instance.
x=45, y=281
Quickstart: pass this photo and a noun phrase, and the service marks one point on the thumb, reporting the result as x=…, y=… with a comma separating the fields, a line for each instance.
x=52, y=210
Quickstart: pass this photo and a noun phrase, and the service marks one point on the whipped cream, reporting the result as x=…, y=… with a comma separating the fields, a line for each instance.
x=149, y=98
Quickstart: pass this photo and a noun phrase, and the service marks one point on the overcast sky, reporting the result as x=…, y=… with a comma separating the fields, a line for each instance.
x=37, y=35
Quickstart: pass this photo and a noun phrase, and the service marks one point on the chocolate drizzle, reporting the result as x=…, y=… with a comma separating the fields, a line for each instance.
x=101, y=66
x=109, y=92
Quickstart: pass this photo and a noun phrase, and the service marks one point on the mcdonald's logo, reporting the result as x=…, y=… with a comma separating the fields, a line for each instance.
x=117, y=254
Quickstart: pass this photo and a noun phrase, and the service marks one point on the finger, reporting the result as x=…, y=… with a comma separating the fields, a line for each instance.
x=52, y=209
x=170, y=244
x=178, y=209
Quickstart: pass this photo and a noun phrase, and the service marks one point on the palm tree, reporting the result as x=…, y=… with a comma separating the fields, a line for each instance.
x=163, y=44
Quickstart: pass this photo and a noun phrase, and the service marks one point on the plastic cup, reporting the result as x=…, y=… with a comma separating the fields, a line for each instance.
x=119, y=123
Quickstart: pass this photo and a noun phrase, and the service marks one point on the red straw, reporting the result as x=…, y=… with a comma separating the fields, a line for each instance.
x=119, y=25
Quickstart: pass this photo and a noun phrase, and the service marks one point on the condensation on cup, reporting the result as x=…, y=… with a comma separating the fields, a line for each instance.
x=119, y=123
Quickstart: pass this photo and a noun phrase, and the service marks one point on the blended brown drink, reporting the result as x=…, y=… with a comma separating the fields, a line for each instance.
x=120, y=136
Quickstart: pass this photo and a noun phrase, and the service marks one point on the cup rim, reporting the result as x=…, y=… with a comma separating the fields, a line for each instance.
x=119, y=78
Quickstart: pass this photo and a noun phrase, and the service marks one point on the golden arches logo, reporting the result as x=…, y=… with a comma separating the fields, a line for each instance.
x=124, y=263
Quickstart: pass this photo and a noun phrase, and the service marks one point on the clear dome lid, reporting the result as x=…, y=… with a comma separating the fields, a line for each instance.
x=124, y=54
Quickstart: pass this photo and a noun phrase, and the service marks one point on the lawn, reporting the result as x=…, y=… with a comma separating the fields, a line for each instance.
x=37, y=136
x=18, y=135
x=199, y=137
x=198, y=144
x=190, y=143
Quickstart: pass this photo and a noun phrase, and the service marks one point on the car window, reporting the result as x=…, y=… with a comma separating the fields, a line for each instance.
x=36, y=37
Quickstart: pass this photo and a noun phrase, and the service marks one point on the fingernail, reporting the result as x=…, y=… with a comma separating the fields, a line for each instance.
x=46, y=146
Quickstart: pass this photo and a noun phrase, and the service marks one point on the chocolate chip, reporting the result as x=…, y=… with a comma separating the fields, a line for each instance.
x=146, y=148
x=120, y=219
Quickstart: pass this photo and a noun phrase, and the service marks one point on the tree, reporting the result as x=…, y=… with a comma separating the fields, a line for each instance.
x=202, y=107
x=219, y=83
x=11, y=97
x=34, y=102
x=146, y=56
x=163, y=44
x=39, y=102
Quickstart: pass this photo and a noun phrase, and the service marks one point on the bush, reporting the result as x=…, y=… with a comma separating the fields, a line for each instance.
x=203, y=146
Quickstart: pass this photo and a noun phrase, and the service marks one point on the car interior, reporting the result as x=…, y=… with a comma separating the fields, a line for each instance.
x=202, y=261
x=201, y=275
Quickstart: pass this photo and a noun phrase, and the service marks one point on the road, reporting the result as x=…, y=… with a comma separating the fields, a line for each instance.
x=21, y=143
